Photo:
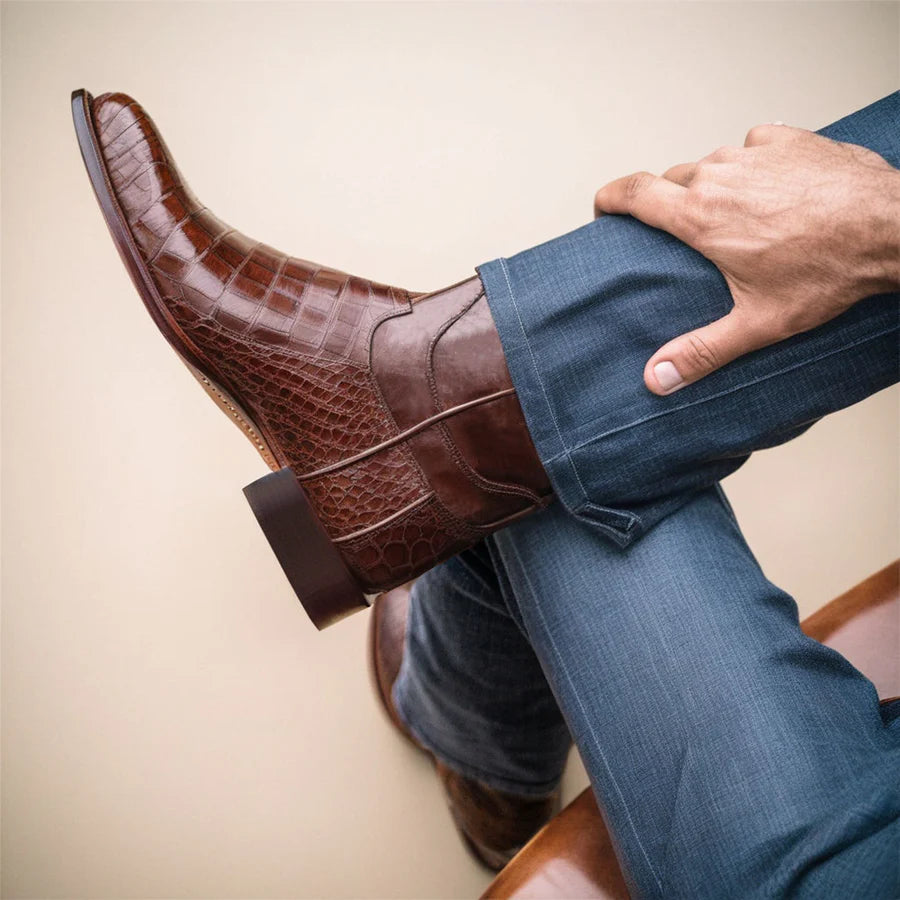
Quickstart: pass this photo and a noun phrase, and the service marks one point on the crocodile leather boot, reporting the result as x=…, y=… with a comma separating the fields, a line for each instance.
x=389, y=419
x=493, y=824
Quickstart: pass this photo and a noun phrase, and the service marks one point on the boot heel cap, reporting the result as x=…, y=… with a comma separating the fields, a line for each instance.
x=314, y=568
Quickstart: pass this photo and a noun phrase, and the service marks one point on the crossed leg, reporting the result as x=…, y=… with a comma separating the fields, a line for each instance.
x=730, y=754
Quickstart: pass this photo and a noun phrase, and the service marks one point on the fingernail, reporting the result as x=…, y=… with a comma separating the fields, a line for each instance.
x=779, y=122
x=667, y=376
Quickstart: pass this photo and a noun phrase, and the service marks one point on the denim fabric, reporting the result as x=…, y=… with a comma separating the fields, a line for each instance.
x=732, y=756
x=580, y=316
x=471, y=688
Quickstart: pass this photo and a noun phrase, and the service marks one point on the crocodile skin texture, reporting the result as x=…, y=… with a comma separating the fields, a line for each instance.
x=286, y=337
x=417, y=541
x=291, y=342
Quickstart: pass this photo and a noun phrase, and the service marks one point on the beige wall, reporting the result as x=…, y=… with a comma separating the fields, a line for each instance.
x=172, y=724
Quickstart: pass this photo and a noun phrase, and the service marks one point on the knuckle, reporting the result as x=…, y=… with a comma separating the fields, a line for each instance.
x=752, y=136
x=704, y=193
x=681, y=174
x=700, y=356
x=689, y=225
x=757, y=134
x=713, y=202
x=723, y=154
x=636, y=184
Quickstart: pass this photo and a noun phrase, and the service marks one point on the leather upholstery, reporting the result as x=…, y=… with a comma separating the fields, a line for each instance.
x=328, y=366
x=572, y=856
x=864, y=626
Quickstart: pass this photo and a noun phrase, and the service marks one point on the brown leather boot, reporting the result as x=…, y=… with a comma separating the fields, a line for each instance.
x=493, y=824
x=389, y=419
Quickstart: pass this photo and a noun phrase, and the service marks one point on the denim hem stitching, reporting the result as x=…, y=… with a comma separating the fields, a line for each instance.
x=538, y=378
x=724, y=393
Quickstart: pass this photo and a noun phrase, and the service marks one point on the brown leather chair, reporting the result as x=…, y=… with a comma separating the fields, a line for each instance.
x=572, y=856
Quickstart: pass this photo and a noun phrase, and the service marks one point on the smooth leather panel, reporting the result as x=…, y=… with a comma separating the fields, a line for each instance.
x=496, y=446
x=403, y=351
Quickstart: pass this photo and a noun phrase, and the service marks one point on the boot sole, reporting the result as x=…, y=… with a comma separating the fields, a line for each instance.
x=314, y=567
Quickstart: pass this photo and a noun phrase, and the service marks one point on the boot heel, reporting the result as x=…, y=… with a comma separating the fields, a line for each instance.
x=313, y=566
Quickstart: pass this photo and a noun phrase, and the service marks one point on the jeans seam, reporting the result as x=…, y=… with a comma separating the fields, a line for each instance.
x=537, y=375
x=724, y=393
x=585, y=717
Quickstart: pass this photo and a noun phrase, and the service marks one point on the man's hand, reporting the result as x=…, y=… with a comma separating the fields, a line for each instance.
x=801, y=227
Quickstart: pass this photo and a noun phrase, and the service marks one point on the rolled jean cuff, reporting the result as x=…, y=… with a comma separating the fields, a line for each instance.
x=579, y=316
x=521, y=338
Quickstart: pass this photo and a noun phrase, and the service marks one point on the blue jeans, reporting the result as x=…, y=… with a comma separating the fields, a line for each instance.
x=731, y=755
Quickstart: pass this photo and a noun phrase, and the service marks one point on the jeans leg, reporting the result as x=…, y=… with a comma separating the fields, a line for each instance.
x=470, y=687
x=732, y=756
x=580, y=316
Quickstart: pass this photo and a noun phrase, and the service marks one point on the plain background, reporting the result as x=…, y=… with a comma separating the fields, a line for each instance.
x=173, y=726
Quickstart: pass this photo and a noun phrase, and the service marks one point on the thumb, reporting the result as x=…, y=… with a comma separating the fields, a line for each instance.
x=695, y=355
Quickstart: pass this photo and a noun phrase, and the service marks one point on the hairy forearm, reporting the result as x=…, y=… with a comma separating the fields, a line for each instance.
x=884, y=235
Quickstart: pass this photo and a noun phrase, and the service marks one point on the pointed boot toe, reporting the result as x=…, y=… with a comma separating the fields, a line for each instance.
x=388, y=418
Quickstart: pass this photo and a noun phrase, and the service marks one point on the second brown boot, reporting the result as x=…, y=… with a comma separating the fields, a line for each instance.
x=493, y=824
x=389, y=419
